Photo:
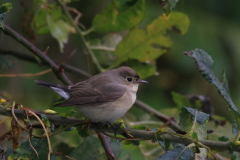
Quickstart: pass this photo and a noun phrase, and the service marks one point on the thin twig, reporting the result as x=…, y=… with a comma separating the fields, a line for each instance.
x=63, y=155
x=78, y=14
x=30, y=134
x=45, y=130
x=4, y=120
x=95, y=60
x=29, y=139
x=26, y=74
x=30, y=58
x=157, y=114
x=58, y=72
x=102, y=48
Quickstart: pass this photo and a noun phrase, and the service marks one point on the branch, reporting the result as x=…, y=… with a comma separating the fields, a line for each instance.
x=30, y=58
x=42, y=55
x=76, y=71
x=157, y=114
x=138, y=134
x=59, y=73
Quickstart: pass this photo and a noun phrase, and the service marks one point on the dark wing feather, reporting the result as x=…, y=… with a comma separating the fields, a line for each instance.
x=87, y=94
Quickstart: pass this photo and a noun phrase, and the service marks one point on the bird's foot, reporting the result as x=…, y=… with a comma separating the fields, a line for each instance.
x=115, y=127
x=119, y=124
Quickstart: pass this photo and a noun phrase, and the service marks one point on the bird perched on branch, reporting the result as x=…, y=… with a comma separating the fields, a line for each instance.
x=102, y=98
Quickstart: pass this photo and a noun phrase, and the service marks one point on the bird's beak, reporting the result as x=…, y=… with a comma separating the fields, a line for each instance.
x=141, y=81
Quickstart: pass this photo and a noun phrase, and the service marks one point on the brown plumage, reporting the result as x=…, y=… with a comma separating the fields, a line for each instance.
x=101, y=91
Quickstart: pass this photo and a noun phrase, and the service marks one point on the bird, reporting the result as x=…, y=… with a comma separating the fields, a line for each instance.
x=102, y=98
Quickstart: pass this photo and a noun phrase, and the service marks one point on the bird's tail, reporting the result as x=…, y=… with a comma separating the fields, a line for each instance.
x=60, y=89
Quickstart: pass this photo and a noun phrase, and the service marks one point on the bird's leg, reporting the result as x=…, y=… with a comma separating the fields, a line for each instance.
x=115, y=127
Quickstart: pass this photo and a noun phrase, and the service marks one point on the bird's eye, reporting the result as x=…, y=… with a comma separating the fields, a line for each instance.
x=129, y=79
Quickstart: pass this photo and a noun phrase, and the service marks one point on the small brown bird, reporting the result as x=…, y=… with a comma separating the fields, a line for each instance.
x=102, y=98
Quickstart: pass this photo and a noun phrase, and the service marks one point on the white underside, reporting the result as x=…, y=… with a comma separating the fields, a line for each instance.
x=109, y=112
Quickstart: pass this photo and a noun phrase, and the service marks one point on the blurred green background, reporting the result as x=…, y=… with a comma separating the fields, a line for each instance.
x=214, y=27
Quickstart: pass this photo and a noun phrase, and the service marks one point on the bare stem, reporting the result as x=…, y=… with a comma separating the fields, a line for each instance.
x=42, y=55
x=102, y=48
x=95, y=60
x=157, y=114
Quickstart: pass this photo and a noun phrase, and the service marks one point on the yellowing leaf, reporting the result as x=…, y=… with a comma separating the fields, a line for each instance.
x=4, y=9
x=119, y=16
x=3, y=100
x=49, y=111
x=148, y=46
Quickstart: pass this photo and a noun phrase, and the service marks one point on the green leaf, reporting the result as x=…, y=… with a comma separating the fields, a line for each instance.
x=139, y=127
x=119, y=16
x=59, y=30
x=186, y=123
x=89, y=148
x=103, y=49
x=46, y=121
x=204, y=63
x=40, y=18
x=43, y=2
x=168, y=5
x=235, y=156
x=178, y=153
x=135, y=143
x=143, y=46
x=83, y=131
x=194, y=136
x=180, y=100
x=40, y=22
x=144, y=70
x=165, y=144
x=4, y=9
x=223, y=139
x=192, y=101
x=68, y=114
x=154, y=139
x=25, y=151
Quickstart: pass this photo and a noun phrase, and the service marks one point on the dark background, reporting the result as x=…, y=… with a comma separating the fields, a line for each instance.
x=214, y=27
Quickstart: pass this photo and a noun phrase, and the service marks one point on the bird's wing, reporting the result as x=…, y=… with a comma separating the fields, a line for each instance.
x=86, y=94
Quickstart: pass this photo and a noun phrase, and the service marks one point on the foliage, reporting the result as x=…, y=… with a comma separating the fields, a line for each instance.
x=136, y=47
x=25, y=151
x=4, y=9
x=147, y=47
x=204, y=63
x=194, y=123
x=168, y=5
x=119, y=16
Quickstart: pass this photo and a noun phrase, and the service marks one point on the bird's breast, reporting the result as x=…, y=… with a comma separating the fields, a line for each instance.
x=111, y=111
